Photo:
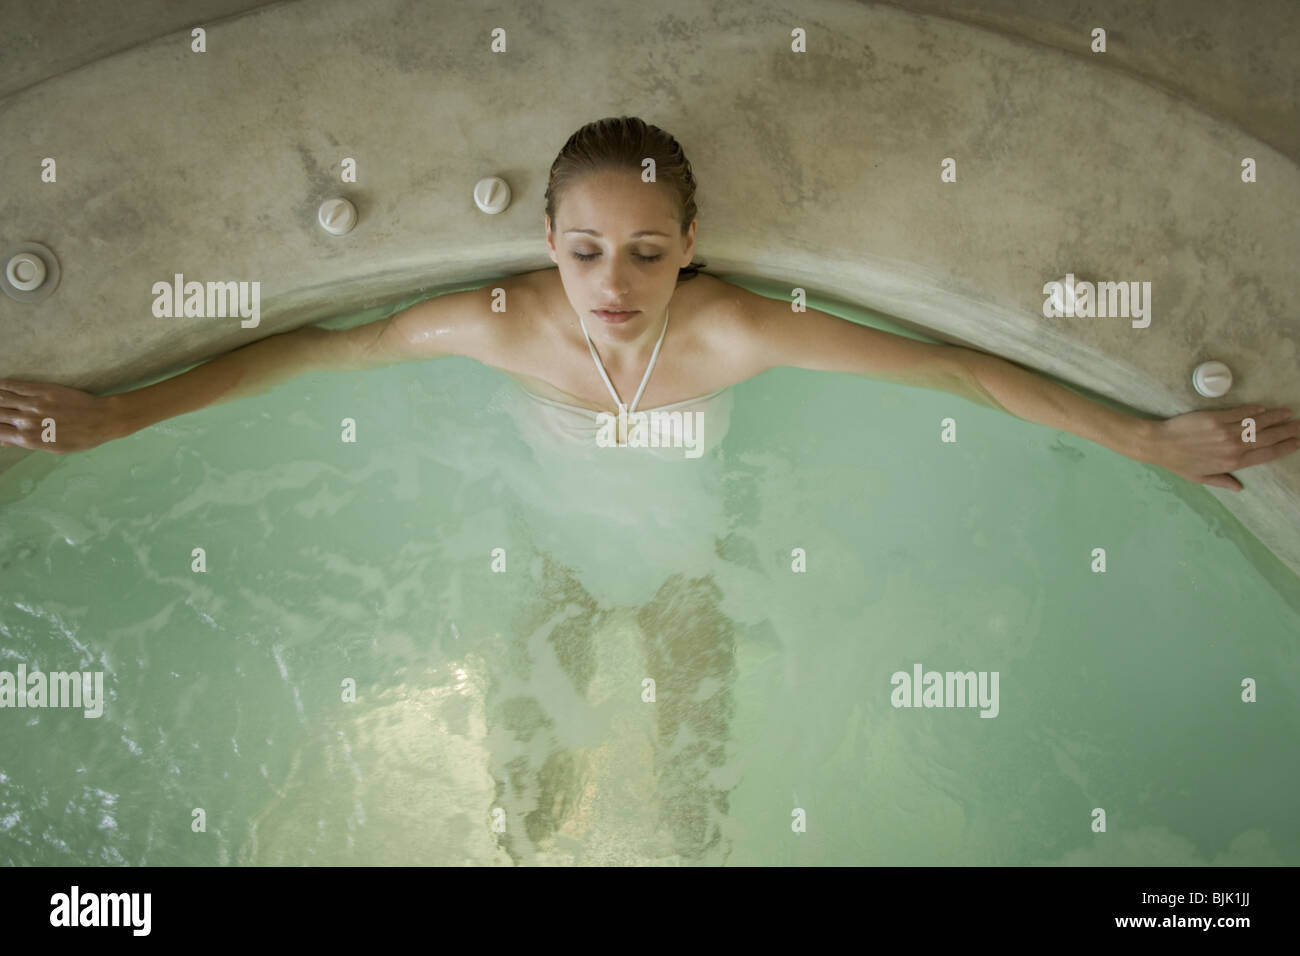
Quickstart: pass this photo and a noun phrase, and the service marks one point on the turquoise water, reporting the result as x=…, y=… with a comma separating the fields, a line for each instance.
x=515, y=697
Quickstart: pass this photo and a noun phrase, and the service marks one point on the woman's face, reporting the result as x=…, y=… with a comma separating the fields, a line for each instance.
x=618, y=243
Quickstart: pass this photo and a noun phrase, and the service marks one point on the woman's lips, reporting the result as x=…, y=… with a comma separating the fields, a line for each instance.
x=616, y=317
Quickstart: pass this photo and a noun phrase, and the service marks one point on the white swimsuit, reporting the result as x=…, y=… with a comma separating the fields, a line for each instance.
x=576, y=425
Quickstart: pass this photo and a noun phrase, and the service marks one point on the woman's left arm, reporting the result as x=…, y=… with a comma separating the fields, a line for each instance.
x=1199, y=446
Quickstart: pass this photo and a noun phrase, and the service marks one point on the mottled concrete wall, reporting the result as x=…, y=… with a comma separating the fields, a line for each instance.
x=819, y=169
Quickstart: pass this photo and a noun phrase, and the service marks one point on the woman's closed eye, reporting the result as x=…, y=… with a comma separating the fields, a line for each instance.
x=587, y=257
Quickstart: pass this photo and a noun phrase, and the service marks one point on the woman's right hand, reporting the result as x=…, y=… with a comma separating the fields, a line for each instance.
x=81, y=420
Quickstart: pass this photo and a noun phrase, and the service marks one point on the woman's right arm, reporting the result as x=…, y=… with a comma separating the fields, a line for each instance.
x=460, y=323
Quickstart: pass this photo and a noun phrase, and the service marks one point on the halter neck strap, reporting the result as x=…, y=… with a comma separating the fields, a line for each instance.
x=600, y=366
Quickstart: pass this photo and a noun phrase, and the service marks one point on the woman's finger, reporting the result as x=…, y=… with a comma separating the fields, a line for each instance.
x=1271, y=416
x=10, y=399
x=1257, y=456
x=1221, y=481
x=1278, y=433
x=1262, y=414
x=1227, y=415
x=18, y=387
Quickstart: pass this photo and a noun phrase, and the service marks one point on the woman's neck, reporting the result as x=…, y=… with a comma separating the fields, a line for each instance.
x=623, y=354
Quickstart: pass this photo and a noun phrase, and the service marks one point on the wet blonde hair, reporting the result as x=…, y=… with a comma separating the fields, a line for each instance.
x=622, y=142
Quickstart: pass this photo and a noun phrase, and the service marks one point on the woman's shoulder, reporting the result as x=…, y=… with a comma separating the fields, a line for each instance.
x=707, y=293
x=718, y=311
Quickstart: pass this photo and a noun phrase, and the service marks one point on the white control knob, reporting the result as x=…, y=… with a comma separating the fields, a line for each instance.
x=25, y=271
x=1212, y=379
x=492, y=195
x=337, y=216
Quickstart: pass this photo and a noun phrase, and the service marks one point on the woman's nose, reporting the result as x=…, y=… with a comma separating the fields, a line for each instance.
x=614, y=282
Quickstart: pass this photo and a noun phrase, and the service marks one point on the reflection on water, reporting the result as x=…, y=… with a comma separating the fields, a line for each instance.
x=603, y=776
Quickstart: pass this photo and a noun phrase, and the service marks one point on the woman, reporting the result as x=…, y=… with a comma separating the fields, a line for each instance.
x=615, y=324
x=624, y=246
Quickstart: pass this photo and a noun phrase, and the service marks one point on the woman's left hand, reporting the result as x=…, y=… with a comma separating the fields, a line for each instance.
x=1204, y=446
